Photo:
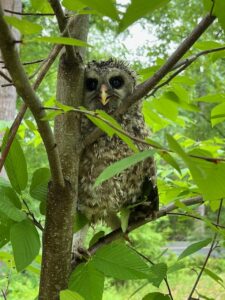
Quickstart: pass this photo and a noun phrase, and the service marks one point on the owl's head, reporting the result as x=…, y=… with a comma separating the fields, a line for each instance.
x=107, y=84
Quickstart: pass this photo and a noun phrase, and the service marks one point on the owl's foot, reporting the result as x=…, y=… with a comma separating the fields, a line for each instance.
x=80, y=254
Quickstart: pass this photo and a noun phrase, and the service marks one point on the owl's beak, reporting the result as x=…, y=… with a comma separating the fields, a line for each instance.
x=104, y=97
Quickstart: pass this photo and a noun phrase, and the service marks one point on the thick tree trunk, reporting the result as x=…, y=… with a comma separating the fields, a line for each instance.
x=58, y=233
x=8, y=95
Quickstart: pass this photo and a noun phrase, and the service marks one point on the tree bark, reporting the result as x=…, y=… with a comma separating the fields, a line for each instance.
x=58, y=233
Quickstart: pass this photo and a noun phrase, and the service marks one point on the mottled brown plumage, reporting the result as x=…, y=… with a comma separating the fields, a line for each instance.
x=108, y=84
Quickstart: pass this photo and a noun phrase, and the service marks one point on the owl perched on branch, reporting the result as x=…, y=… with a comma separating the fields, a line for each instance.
x=107, y=85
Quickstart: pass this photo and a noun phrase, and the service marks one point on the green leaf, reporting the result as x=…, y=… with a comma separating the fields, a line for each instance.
x=79, y=222
x=8, y=208
x=11, y=195
x=159, y=272
x=214, y=276
x=73, y=5
x=218, y=10
x=212, y=98
x=96, y=238
x=61, y=41
x=87, y=281
x=16, y=166
x=64, y=107
x=176, y=267
x=170, y=160
x=194, y=248
x=39, y=184
x=124, y=218
x=209, y=176
x=5, y=224
x=24, y=26
x=207, y=45
x=119, y=261
x=218, y=114
x=52, y=114
x=107, y=8
x=121, y=165
x=25, y=243
x=41, y=6
x=109, y=129
x=138, y=9
x=69, y=295
x=156, y=296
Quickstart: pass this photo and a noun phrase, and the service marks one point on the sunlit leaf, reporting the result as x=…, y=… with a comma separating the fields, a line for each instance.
x=138, y=9
x=16, y=166
x=156, y=296
x=193, y=248
x=24, y=26
x=208, y=176
x=87, y=281
x=61, y=41
x=121, y=165
x=218, y=114
x=214, y=276
x=70, y=295
x=106, y=8
x=218, y=10
x=212, y=98
x=41, y=6
x=73, y=5
x=25, y=242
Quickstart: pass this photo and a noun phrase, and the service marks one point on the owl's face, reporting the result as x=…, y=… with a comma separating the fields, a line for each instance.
x=107, y=85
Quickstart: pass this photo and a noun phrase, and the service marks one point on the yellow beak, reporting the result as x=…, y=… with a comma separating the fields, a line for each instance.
x=103, y=94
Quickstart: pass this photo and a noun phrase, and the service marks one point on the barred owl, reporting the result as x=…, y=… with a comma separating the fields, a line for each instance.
x=107, y=85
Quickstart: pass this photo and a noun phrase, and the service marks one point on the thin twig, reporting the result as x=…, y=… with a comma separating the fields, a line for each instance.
x=145, y=87
x=45, y=66
x=3, y=294
x=181, y=69
x=194, y=57
x=28, y=14
x=32, y=216
x=212, y=247
x=136, y=139
x=152, y=263
x=194, y=217
x=3, y=75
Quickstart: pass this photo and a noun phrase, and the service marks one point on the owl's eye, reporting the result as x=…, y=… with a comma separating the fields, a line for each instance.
x=91, y=84
x=116, y=82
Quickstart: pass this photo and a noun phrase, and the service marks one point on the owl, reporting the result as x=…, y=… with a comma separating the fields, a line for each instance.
x=107, y=85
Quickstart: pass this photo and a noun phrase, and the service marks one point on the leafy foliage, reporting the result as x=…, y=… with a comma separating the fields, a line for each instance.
x=190, y=108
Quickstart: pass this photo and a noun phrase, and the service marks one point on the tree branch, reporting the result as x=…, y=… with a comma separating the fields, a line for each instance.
x=145, y=87
x=194, y=217
x=3, y=75
x=152, y=263
x=118, y=233
x=134, y=138
x=194, y=57
x=61, y=19
x=212, y=247
x=13, y=130
x=24, y=89
x=27, y=14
